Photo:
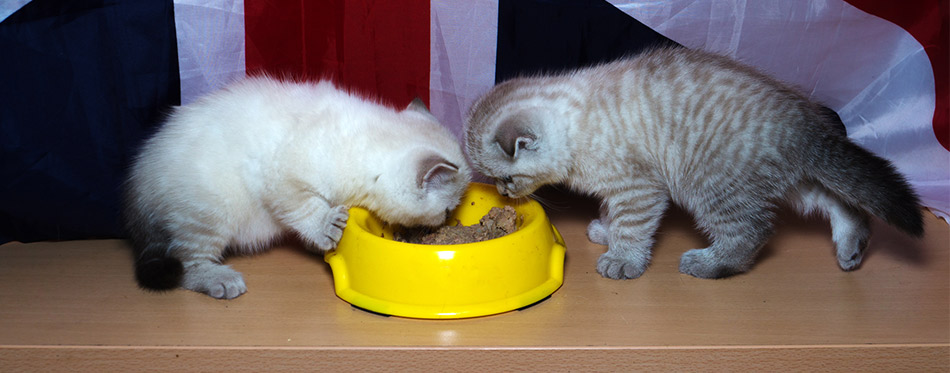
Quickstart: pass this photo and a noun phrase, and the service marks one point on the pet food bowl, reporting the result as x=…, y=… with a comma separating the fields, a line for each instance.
x=376, y=273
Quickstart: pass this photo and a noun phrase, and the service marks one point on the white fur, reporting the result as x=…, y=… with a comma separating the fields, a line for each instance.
x=262, y=157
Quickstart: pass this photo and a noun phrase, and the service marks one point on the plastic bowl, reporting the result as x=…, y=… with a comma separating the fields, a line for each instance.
x=376, y=273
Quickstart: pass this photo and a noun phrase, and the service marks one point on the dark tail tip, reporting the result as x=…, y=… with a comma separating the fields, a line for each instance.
x=158, y=272
x=910, y=221
x=866, y=180
x=898, y=204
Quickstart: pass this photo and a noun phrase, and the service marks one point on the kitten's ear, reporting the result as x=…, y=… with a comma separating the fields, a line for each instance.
x=420, y=107
x=417, y=105
x=512, y=137
x=434, y=171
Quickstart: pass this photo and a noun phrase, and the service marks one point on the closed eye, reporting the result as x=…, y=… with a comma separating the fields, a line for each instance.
x=507, y=179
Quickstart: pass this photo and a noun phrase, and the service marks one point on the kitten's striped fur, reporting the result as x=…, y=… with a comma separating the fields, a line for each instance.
x=721, y=140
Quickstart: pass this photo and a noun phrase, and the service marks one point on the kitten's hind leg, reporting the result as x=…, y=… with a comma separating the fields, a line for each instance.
x=738, y=228
x=312, y=217
x=849, y=227
x=199, y=247
x=212, y=278
x=633, y=217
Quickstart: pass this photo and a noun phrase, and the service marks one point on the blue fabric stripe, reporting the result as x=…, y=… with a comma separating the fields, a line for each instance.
x=537, y=36
x=81, y=83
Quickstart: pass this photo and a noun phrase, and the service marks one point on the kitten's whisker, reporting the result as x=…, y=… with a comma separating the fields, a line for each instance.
x=519, y=200
x=547, y=203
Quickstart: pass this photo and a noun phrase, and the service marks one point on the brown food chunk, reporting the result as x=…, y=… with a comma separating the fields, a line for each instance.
x=498, y=222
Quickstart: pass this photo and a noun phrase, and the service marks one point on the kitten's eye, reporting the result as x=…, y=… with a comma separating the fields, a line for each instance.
x=507, y=179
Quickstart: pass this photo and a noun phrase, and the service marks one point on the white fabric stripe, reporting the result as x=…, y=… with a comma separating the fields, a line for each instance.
x=210, y=37
x=875, y=74
x=8, y=7
x=463, y=37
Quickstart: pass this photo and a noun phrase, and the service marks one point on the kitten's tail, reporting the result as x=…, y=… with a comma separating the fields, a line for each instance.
x=158, y=271
x=865, y=180
x=155, y=267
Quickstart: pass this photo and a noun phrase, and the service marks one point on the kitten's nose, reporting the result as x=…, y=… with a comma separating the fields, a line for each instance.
x=502, y=190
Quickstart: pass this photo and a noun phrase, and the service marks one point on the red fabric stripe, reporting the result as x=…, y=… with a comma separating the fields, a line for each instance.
x=927, y=21
x=378, y=48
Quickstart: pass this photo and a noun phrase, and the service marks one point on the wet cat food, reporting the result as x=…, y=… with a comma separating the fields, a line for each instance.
x=498, y=222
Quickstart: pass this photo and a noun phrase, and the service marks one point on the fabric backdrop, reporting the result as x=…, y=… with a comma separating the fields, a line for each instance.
x=83, y=82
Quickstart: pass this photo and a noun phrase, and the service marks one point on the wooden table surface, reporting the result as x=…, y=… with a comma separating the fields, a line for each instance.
x=74, y=306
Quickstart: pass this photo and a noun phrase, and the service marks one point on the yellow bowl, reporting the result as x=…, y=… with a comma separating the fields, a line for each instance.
x=376, y=273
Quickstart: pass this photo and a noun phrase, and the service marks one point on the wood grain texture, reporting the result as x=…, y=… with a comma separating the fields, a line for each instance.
x=74, y=306
x=881, y=358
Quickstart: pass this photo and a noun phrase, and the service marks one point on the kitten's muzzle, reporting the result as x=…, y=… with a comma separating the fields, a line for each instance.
x=502, y=189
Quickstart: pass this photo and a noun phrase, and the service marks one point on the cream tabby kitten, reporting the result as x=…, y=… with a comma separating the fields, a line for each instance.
x=673, y=125
x=262, y=157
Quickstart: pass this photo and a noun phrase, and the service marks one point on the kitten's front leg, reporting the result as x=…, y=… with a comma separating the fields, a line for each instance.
x=633, y=217
x=597, y=229
x=333, y=222
x=315, y=220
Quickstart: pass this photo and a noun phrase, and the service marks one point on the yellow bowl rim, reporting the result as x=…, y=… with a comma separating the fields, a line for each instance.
x=535, y=219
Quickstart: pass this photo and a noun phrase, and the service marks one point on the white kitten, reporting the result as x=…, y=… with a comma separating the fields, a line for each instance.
x=262, y=157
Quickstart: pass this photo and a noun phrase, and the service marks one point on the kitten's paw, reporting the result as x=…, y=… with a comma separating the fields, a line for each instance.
x=218, y=281
x=597, y=232
x=698, y=263
x=612, y=266
x=851, y=253
x=333, y=228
